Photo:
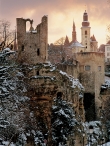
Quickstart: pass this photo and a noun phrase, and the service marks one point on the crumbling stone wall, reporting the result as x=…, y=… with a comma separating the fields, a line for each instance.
x=32, y=45
x=46, y=81
x=72, y=68
x=44, y=84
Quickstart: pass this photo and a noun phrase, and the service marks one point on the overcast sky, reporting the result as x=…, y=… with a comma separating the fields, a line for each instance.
x=60, y=15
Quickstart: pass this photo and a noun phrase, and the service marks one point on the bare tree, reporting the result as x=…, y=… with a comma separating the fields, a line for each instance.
x=60, y=41
x=4, y=29
x=6, y=35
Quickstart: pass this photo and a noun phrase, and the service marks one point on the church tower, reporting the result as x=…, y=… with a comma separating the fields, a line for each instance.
x=85, y=32
x=74, y=33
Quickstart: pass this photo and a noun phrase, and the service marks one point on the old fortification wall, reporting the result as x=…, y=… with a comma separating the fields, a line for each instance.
x=71, y=69
x=96, y=71
x=92, y=77
x=45, y=82
x=32, y=45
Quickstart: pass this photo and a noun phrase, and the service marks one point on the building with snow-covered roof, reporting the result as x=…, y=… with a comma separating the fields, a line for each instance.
x=76, y=47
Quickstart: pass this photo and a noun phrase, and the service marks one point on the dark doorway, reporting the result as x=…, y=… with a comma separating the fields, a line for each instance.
x=89, y=106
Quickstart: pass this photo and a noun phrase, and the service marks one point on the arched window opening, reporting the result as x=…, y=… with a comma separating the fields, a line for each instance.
x=22, y=48
x=27, y=26
x=85, y=32
x=38, y=73
x=59, y=94
x=38, y=52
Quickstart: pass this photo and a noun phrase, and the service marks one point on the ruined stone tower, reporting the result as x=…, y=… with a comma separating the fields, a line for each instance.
x=32, y=45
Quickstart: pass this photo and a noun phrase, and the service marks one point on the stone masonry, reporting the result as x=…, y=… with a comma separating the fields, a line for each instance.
x=32, y=45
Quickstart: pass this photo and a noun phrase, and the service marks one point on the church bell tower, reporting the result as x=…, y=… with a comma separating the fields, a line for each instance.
x=85, y=32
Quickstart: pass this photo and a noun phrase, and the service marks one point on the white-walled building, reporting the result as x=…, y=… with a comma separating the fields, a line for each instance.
x=107, y=53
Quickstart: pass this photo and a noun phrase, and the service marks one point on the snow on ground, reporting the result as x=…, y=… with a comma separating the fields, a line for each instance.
x=107, y=83
x=107, y=80
x=6, y=143
x=105, y=144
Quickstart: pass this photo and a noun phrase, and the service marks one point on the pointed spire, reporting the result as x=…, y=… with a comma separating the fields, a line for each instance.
x=66, y=43
x=74, y=28
x=93, y=38
x=74, y=32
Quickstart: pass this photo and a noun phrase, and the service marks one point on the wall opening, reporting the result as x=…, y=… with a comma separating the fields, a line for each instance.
x=59, y=94
x=37, y=73
x=85, y=32
x=89, y=106
x=38, y=52
x=27, y=26
x=22, y=47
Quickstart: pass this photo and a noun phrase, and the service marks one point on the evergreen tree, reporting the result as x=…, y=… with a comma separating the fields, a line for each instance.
x=63, y=121
x=12, y=99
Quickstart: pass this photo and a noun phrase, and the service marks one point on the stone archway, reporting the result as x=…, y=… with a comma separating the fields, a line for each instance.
x=27, y=26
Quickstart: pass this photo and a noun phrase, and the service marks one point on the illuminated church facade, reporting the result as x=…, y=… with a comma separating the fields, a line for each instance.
x=88, y=42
